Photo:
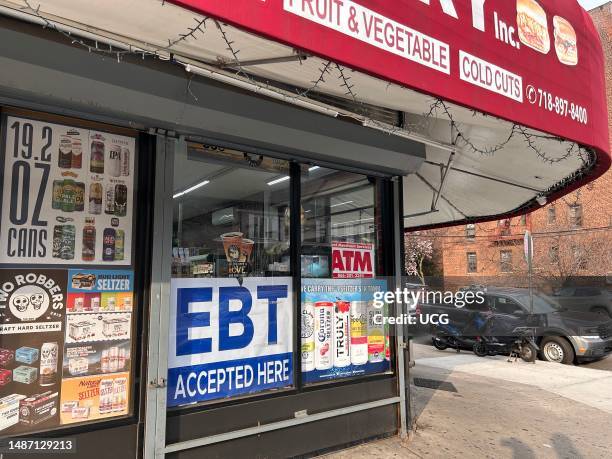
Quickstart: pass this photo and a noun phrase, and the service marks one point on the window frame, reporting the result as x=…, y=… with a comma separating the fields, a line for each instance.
x=469, y=265
x=383, y=208
x=503, y=264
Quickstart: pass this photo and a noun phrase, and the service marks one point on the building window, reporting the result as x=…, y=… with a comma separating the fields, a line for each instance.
x=576, y=215
x=523, y=220
x=503, y=226
x=579, y=257
x=472, y=262
x=552, y=215
x=505, y=261
x=553, y=254
x=470, y=231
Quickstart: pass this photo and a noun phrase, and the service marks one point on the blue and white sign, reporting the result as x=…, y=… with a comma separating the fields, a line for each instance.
x=228, y=339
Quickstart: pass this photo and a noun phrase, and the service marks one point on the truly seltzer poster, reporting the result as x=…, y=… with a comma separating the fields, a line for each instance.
x=229, y=338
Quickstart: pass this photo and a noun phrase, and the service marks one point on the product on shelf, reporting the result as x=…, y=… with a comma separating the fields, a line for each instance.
x=81, y=330
x=38, y=408
x=6, y=376
x=25, y=374
x=26, y=355
x=9, y=410
x=115, y=328
x=6, y=357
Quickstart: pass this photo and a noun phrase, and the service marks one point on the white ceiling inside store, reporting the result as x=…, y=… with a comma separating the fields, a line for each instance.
x=477, y=185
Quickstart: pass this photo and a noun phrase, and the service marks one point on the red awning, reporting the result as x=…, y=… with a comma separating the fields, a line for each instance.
x=536, y=63
x=447, y=65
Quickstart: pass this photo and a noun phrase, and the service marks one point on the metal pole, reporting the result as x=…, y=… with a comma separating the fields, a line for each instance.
x=400, y=339
x=530, y=268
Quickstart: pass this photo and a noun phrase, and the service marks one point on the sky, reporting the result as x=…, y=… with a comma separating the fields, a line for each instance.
x=590, y=4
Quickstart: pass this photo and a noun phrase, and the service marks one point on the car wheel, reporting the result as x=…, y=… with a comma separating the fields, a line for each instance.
x=603, y=312
x=557, y=350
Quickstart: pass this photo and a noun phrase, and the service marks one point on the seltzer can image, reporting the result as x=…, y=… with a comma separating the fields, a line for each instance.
x=324, y=311
x=48, y=363
x=308, y=338
x=359, y=332
x=342, y=334
x=376, y=334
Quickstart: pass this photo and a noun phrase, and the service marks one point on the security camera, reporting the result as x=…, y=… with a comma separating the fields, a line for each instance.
x=541, y=200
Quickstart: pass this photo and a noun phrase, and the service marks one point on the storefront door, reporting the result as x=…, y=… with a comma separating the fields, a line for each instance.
x=238, y=236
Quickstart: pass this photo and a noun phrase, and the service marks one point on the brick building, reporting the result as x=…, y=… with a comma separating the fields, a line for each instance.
x=572, y=236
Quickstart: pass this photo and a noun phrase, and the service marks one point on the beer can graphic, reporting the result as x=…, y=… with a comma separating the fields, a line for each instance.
x=57, y=194
x=125, y=162
x=342, y=334
x=308, y=338
x=77, y=154
x=79, y=197
x=120, y=200
x=359, y=332
x=323, y=330
x=89, y=240
x=48, y=364
x=63, y=242
x=376, y=334
x=108, y=244
x=110, y=200
x=95, y=198
x=96, y=164
x=65, y=153
x=114, y=161
x=69, y=194
x=119, y=244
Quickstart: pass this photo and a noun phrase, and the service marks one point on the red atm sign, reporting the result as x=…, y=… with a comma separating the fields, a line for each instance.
x=351, y=260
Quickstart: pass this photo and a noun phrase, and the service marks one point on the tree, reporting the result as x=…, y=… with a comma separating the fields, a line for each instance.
x=419, y=251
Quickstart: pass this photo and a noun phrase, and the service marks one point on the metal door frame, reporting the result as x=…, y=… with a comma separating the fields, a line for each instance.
x=157, y=363
x=154, y=443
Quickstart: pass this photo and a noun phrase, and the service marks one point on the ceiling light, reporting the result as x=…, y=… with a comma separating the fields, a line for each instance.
x=190, y=189
x=314, y=168
x=279, y=180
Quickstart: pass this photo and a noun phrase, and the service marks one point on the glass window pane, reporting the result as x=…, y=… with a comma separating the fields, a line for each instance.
x=340, y=263
x=231, y=327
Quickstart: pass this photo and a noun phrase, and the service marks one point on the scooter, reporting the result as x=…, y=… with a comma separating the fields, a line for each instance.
x=522, y=344
x=450, y=337
x=445, y=336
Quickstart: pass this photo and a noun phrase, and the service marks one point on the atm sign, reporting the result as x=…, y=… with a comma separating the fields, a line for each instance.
x=351, y=260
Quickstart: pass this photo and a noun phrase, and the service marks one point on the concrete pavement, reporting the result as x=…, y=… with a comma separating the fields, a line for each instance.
x=489, y=408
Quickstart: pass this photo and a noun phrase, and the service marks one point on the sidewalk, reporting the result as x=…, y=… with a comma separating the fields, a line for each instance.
x=526, y=411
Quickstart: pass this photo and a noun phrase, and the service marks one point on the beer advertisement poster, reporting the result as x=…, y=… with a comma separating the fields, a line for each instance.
x=68, y=195
x=91, y=398
x=32, y=313
x=340, y=336
x=98, y=346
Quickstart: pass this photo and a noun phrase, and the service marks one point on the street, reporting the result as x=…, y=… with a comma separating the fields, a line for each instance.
x=423, y=348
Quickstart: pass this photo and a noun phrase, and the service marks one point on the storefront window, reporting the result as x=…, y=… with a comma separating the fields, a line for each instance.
x=231, y=325
x=66, y=280
x=339, y=267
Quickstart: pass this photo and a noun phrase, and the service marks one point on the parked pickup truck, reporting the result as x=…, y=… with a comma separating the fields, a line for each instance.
x=584, y=298
x=563, y=336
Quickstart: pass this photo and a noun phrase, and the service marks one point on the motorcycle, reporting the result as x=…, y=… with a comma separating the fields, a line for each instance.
x=450, y=337
x=521, y=344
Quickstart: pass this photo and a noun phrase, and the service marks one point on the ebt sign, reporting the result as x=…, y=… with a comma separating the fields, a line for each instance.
x=228, y=339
